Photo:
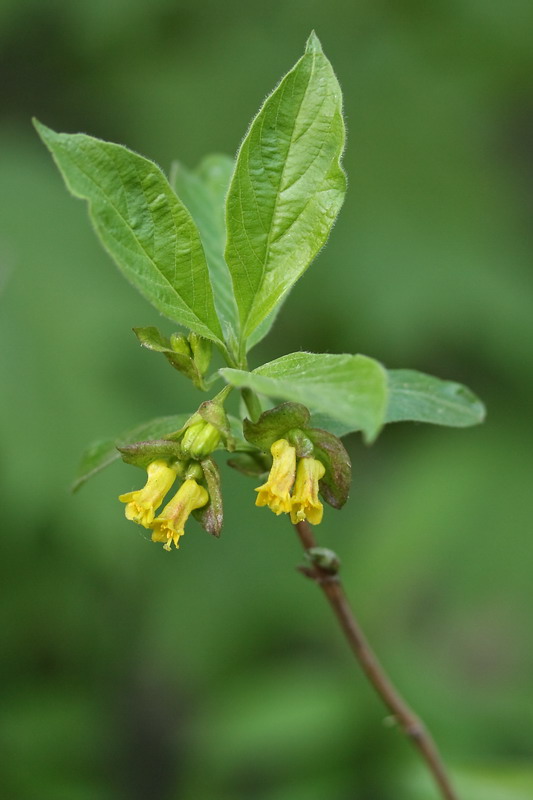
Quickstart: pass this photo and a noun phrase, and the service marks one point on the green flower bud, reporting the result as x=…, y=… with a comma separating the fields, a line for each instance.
x=325, y=559
x=201, y=352
x=200, y=439
x=179, y=344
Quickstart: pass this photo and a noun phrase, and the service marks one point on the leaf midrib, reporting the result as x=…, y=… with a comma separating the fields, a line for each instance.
x=277, y=196
x=136, y=239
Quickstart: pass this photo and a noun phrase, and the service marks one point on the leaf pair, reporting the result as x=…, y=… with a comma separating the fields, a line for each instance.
x=284, y=195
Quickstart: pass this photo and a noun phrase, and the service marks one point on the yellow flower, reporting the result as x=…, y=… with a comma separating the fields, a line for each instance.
x=169, y=525
x=305, y=502
x=143, y=503
x=275, y=493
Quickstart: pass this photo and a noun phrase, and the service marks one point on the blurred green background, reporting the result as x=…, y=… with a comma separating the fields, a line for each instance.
x=217, y=672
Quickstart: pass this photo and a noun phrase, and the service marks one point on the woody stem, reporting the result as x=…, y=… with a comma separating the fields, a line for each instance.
x=411, y=724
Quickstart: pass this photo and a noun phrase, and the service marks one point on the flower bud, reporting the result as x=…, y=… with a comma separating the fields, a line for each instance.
x=200, y=439
x=179, y=344
x=327, y=560
x=201, y=352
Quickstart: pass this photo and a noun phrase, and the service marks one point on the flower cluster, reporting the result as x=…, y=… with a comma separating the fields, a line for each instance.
x=186, y=456
x=292, y=485
x=303, y=461
x=142, y=504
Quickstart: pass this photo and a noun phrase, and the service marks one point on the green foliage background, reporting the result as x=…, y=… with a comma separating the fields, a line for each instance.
x=217, y=672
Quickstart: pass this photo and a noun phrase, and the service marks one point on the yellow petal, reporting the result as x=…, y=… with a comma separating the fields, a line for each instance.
x=169, y=526
x=305, y=502
x=143, y=503
x=275, y=493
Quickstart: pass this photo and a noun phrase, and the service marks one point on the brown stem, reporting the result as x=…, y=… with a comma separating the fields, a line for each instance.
x=412, y=725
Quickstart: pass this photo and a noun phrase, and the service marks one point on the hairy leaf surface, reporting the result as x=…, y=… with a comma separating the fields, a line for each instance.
x=350, y=389
x=423, y=398
x=287, y=188
x=417, y=397
x=142, y=224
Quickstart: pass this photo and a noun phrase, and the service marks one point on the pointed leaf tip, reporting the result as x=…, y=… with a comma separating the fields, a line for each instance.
x=313, y=44
x=41, y=129
x=291, y=160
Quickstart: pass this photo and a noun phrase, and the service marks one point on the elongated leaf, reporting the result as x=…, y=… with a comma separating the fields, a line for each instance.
x=142, y=224
x=423, y=398
x=100, y=454
x=417, y=397
x=350, y=389
x=287, y=188
x=203, y=191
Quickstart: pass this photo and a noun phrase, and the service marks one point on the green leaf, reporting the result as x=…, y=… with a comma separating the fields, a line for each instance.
x=416, y=397
x=350, y=389
x=142, y=224
x=102, y=453
x=423, y=398
x=287, y=188
x=203, y=191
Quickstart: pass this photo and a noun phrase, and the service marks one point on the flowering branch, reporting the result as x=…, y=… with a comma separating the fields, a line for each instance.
x=216, y=251
x=411, y=724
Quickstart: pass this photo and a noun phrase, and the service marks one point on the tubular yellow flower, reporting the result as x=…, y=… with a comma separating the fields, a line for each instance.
x=275, y=493
x=143, y=503
x=170, y=524
x=305, y=502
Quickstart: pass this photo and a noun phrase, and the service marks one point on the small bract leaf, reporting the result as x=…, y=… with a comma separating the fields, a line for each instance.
x=152, y=338
x=423, y=398
x=142, y=224
x=335, y=485
x=211, y=516
x=287, y=188
x=140, y=454
x=274, y=424
x=351, y=389
x=100, y=454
